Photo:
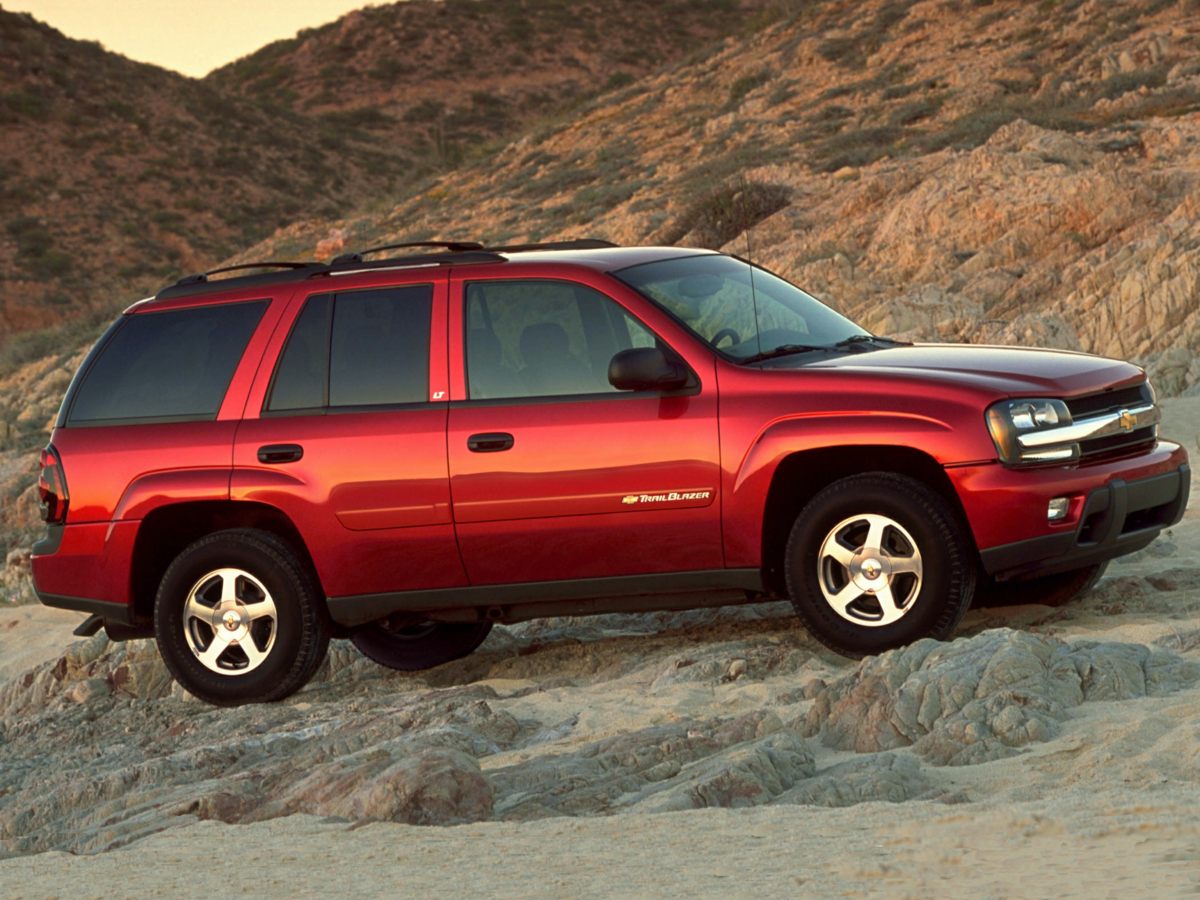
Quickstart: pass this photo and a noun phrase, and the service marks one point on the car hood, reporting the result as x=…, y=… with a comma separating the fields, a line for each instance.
x=1007, y=371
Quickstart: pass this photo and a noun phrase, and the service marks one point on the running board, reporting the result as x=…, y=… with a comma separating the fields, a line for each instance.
x=580, y=597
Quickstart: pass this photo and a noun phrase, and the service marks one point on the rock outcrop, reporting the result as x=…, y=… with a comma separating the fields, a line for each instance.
x=99, y=748
x=980, y=699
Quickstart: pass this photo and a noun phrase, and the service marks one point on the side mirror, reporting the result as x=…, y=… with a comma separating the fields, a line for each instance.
x=646, y=369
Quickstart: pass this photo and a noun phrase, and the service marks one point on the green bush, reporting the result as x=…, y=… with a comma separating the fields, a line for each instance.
x=747, y=83
x=20, y=105
x=859, y=147
x=715, y=219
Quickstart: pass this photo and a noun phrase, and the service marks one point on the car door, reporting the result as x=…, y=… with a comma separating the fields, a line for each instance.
x=554, y=473
x=348, y=437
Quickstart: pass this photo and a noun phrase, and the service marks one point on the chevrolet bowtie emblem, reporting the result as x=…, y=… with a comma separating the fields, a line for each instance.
x=1127, y=420
x=632, y=498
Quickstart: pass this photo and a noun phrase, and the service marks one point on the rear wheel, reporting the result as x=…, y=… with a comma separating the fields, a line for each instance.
x=408, y=646
x=878, y=560
x=238, y=619
x=1049, y=590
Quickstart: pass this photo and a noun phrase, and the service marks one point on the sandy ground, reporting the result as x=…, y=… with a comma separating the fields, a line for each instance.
x=1106, y=808
x=1073, y=845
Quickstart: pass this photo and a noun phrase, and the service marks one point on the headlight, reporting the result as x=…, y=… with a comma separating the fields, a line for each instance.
x=1009, y=419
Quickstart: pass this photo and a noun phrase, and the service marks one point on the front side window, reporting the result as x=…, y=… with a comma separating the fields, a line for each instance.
x=740, y=310
x=544, y=339
x=173, y=365
x=357, y=349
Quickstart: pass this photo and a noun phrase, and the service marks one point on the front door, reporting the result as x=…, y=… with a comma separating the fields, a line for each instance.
x=554, y=473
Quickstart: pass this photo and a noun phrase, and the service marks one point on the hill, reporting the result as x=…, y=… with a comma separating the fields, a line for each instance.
x=115, y=175
x=948, y=170
x=442, y=79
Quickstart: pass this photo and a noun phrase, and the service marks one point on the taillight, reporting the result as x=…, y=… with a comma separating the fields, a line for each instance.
x=52, y=488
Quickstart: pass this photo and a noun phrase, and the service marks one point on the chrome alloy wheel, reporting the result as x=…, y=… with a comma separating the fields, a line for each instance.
x=869, y=569
x=230, y=622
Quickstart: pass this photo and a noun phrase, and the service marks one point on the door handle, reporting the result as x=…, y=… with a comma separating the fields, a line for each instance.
x=492, y=442
x=273, y=454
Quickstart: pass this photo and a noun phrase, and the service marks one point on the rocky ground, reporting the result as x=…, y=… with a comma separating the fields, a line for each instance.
x=713, y=751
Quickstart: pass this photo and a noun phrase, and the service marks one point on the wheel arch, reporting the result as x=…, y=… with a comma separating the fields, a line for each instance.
x=800, y=475
x=167, y=530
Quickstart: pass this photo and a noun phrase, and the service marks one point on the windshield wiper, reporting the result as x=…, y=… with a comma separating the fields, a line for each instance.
x=870, y=338
x=784, y=350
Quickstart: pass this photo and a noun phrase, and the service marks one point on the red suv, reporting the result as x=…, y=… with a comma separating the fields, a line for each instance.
x=404, y=451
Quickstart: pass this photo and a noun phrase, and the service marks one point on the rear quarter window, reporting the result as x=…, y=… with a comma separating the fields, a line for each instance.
x=174, y=365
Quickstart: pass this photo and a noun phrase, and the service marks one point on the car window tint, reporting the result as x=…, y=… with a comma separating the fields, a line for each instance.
x=379, y=352
x=175, y=364
x=301, y=380
x=543, y=339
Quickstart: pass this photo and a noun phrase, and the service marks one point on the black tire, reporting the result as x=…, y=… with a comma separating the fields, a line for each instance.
x=301, y=625
x=938, y=600
x=1049, y=590
x=411, y=648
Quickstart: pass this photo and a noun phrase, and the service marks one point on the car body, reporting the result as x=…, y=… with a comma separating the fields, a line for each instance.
x=465, y=459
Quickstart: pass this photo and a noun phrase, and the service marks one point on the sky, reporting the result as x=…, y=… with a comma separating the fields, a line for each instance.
x=193, y=38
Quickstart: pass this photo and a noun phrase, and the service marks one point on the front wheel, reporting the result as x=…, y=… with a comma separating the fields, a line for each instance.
x=412, y=646
x=239, y=619
x=876, y=561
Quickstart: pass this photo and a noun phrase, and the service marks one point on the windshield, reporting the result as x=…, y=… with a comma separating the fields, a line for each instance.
x=712, y=295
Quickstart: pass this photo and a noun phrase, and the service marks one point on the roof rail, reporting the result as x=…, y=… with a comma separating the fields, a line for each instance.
x=454, y=246
x=462, y=257
x=199, y=283
x=454, y=253
x=202, y=277
x=577, y=244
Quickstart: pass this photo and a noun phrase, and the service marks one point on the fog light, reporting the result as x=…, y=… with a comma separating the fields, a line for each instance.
x=1058, y=509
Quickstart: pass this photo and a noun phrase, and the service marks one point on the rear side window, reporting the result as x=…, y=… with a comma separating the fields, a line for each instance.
x=358, y=349
x=173, y=366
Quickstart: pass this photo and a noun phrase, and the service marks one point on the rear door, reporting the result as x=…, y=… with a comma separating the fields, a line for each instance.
x=348, y=437
x=554, y=473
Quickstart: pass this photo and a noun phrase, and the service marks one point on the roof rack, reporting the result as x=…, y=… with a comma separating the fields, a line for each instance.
x=453, y=246
x=199, y=283
x=202, y=277
x=454, y=252
x=344, y=264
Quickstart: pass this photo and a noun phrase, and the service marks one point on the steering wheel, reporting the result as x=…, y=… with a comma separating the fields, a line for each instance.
x=726, y=333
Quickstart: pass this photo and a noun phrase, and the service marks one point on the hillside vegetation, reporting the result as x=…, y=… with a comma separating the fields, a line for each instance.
x=946, y=169
x=115, y=176
x=444, y=80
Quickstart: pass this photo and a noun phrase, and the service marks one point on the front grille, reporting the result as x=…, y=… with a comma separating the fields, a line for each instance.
x=1108, y=401
x=1114, y=445
x=1118, y=444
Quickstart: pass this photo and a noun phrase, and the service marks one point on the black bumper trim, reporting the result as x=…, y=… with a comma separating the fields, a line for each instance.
x=120, y=613
x=89, y=626
x=49, y=545
x=1119, y=518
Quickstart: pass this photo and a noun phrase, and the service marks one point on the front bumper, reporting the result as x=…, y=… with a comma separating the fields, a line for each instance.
x=1117, y=518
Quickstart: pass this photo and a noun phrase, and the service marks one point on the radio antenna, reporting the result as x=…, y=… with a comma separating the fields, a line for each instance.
x=753, y=293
